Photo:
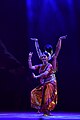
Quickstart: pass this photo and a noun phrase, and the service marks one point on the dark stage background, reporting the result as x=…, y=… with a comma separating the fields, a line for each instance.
x=46, y=20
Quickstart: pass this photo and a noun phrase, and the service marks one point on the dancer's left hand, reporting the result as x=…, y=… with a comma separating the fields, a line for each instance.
x=34, y=39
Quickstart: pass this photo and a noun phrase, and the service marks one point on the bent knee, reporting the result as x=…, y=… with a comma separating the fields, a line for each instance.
x=33, y=91
x=49, y=85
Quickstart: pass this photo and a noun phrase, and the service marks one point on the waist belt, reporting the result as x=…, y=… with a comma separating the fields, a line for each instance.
x=50, y=79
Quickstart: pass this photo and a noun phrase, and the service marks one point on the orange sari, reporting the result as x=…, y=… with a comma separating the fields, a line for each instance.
x=44, y=97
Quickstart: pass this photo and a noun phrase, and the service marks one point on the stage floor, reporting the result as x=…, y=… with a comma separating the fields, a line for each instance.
x=36, y=116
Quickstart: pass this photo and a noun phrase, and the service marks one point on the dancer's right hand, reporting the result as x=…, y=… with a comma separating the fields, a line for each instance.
x=30, y=54
x=34, y=76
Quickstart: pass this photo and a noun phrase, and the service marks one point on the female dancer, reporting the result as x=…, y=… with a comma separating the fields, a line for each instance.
x=44, y=97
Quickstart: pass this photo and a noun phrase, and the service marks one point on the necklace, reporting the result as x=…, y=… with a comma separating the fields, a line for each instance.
x=43, y=67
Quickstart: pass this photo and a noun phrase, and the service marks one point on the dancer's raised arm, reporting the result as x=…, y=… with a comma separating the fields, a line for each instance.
x=37, y=47
x=55, y=55
x=58, y=46
x=30, y=62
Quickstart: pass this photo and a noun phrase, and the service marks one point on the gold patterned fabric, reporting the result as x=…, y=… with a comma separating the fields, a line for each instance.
x=44, y=97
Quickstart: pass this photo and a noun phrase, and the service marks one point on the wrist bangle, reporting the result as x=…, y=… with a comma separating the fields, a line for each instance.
x=36, y=77
x=29, y=60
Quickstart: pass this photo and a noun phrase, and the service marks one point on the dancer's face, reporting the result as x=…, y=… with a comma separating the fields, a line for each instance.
x=44, y=58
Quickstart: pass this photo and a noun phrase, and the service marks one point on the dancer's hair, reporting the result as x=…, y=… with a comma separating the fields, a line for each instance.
x=48, y=48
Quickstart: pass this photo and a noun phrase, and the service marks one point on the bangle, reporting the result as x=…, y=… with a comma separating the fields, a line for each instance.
x=36, y=77
x=29, y=60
